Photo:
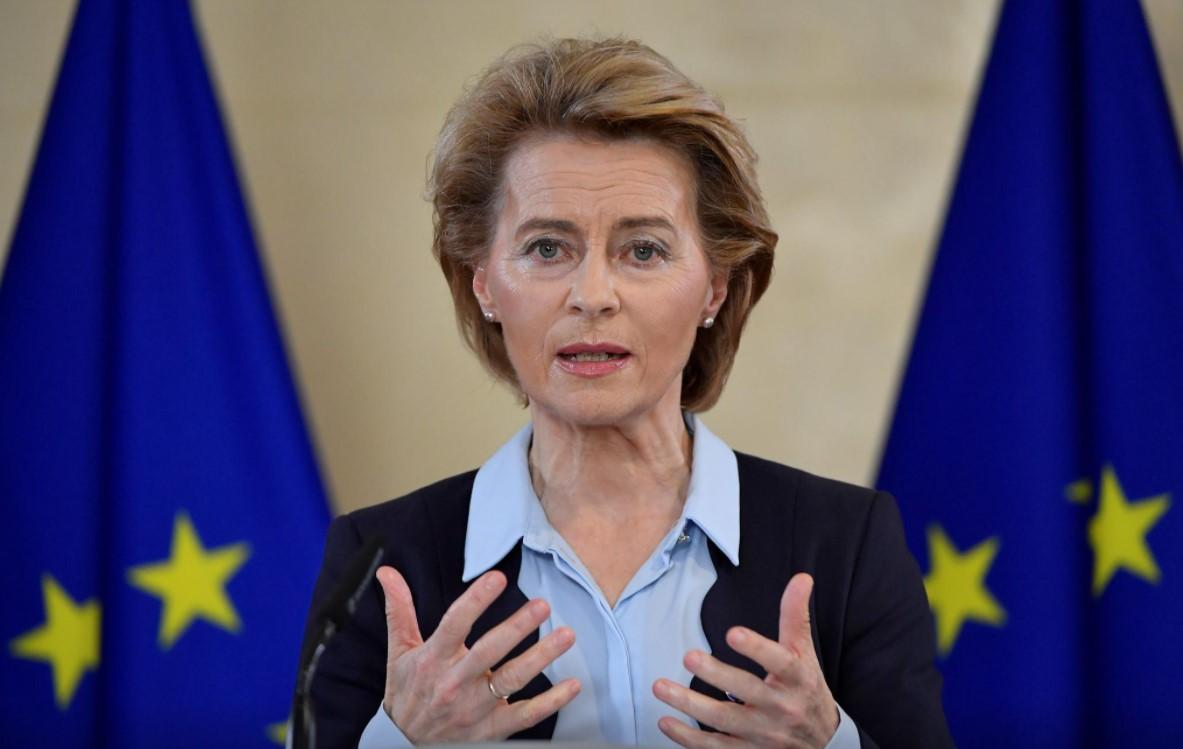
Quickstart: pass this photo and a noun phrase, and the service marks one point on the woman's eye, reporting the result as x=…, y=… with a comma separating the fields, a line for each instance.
x=645, y=252
x=546, y=249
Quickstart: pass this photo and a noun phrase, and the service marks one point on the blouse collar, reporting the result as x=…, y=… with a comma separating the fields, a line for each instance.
x=503, y=500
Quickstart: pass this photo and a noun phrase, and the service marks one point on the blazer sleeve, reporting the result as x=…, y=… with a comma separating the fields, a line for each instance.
x=351, y=675
x=890, y=684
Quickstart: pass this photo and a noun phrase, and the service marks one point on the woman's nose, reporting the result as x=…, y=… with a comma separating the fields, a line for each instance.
x=593, y=292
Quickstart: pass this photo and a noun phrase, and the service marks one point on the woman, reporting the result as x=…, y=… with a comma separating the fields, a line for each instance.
x=615, y=572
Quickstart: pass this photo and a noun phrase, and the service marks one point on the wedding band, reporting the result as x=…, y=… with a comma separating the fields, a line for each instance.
x=493, y=690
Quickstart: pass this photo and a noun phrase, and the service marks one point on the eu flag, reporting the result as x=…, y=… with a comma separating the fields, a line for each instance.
x=160, y=505
x=1037, y=444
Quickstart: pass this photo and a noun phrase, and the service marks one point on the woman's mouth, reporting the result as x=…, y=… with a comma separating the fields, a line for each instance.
x=592, y=356
x=584, y=360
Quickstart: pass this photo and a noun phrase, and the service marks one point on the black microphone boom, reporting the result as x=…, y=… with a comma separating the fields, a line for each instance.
x=330, y=618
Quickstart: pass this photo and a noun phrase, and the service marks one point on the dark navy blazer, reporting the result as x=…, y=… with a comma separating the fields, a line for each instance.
x=871, y=624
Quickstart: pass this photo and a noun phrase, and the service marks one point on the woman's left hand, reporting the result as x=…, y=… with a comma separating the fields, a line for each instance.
x=791, y=707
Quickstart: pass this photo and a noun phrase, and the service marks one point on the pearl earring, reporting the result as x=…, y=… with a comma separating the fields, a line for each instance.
x=488, y=317
x=708, y=322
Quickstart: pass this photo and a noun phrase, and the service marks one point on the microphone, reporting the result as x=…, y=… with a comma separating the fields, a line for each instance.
x=329, y=619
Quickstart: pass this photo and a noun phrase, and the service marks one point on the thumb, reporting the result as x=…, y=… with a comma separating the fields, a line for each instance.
x=794, y=616
x=402, y=628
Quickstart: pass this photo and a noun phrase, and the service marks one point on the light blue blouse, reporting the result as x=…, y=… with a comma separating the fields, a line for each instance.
x=619, y=650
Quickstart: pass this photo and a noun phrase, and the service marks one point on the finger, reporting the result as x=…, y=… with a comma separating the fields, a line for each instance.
x=772, y=656
x=497, y=642
x=517, y=673
x=462, y=614
x=723, y=716
x=402, y=628
x=795, y=631
x=693, y=738
x=521, y=715
x=738, y=683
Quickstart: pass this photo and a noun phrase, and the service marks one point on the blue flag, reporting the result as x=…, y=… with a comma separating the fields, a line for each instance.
x=162, y=512
x=1037, y=444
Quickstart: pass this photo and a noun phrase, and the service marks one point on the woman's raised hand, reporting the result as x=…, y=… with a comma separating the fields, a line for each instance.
x=791, y=707
x=440, y=690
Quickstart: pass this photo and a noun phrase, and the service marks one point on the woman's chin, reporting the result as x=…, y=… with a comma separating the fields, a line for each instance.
x=595, y=407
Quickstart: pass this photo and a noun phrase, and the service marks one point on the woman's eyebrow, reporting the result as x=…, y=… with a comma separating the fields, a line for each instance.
x=569, y=227
x=646, y=222
x=550, y=224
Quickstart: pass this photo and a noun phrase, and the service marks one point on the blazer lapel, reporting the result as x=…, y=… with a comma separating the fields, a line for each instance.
x=736, y=598
x=747, y=594
x=450, y=523
x=510, y=600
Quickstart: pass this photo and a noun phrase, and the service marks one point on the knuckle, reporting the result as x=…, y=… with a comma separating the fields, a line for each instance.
x=793, y=714
x=530, y=712
x=456, y=612
x=786, y=667
x=521, y=629
x=815, y=683
x=727, y=719
x=522, y=623
x=507, y=677
x=718, y=720
x=554, y=644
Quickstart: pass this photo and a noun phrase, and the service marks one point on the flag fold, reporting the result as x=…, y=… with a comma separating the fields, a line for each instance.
x=1037, y=442
x=162, y=511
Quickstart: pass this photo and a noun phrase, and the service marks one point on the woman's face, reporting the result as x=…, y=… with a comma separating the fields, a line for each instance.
x=597, y=276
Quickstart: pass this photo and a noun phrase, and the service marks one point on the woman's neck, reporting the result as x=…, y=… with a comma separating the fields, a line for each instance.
x=622, y=473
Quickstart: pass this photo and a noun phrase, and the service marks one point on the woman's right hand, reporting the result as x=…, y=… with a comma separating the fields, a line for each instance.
x=438, y=690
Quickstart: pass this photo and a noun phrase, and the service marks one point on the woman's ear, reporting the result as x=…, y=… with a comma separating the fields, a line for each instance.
x=480, y=289
x=716, y=293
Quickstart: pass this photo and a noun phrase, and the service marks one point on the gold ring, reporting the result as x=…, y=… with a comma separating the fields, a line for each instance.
x=493, y=690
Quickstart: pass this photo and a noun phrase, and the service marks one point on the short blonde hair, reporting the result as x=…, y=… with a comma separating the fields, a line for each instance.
x=613, y=89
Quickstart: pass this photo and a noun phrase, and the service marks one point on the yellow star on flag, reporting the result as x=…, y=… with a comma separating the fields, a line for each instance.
x=68, y=641
x=191, y=583
x=1118, y=531
x=956, y=586
x=278, y=733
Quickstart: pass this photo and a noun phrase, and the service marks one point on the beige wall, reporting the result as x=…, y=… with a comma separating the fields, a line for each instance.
x=856, y=108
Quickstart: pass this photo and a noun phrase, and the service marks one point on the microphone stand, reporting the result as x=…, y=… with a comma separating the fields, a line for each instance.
x=335, y=614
